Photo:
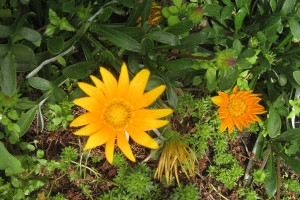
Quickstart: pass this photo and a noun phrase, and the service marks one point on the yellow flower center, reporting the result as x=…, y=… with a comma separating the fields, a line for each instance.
x=236, y=107
x=117, y=115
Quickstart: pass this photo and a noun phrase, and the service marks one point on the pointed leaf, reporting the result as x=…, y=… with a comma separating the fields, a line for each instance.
x=239, y=18
x=8, y=75
x=26, y=120
x=116, y=37
x=30, y=34
x=163, y=37
x=5, y=31
x=273, y=123
x=40, y=83
x=296, y=75
x=79, y=70
x=287, y=7
x=295, y=27
x=8, y=161
x=271, y=178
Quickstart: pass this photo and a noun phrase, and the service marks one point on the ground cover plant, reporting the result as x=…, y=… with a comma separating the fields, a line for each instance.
x=127, y=99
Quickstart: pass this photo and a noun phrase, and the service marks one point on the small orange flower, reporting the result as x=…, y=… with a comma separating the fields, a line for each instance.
x=238, y=109
x=155, y=15
x=116, y=110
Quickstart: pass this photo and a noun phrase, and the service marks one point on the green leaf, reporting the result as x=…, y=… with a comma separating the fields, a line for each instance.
x=194, y=39
x=65, y=25
x=212, y=10
x=296, y=75
x=180, y=28
x=237, y=46
x=226, y=12
x=54, y=19
x=40, y=83
x=287, y=7
x=55, y=45
x=163, y=37
x=273, y=123
x=116, y=37
x=180, y=64
x=177, y=3
x=271, y=178
x=292, y=162
x=239, y=18
x=26, y=120
x=211, y=75
x=171, y=96
x=59, y=94
x=8, y=161
x=8, y=75
x=295, y=27
x=290, y=135
x=5, y=31
x=140, y=9
x=4, y=48
x=30, y=34
x=228, y=78
x=79, y=70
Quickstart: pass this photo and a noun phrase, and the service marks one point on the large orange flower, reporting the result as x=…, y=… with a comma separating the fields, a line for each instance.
x=116, y=111
x=238, y=109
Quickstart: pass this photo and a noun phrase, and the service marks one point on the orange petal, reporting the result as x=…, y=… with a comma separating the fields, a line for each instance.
x=99, y=84
x=137, y=86
x=110, y=83
x=149, y=97
x=142, y=138
x=152, y=114
x=88, y=129
x=89, y=103
x=123, y=83
x=98, y=138
x=86, y=118
x=109, y=149
x=123, y=144
x=148, y=124
x=93, y=92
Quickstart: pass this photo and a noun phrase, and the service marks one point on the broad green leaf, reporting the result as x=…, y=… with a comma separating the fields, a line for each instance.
x=79, y=70
x=248, y=53
x=59, y=94
x=26, y=120
x=30, y=34
x=8, y=161
x=271, y=178
x=226, y=12
x=146, y=45
x=290, y=135
x=239, y=18
x=65, y=25
x=173, y=10
x=295, y=27
x=244, y=63
x=194, y=39
x=171, y=96
x=180, y=28
x=5, y=31
x=55, y=45
x=212, y=10
x=163, y=37
x=8, y=75
x=177, y=3
x=237, y=46
x=22, y=52
x=40, y=83
x=273, y=123
x=179, y=64
x=54, y=19
x=69, y=6
x=296, y=75
x=292, y=162
x=273, y=5
x=105, y=15
x=228, y=78
x=211, y=75
x=287, y=7
x=116, y=37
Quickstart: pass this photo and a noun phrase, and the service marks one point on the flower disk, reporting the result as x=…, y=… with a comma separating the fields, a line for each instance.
x=238, y=109
x=116, y=109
